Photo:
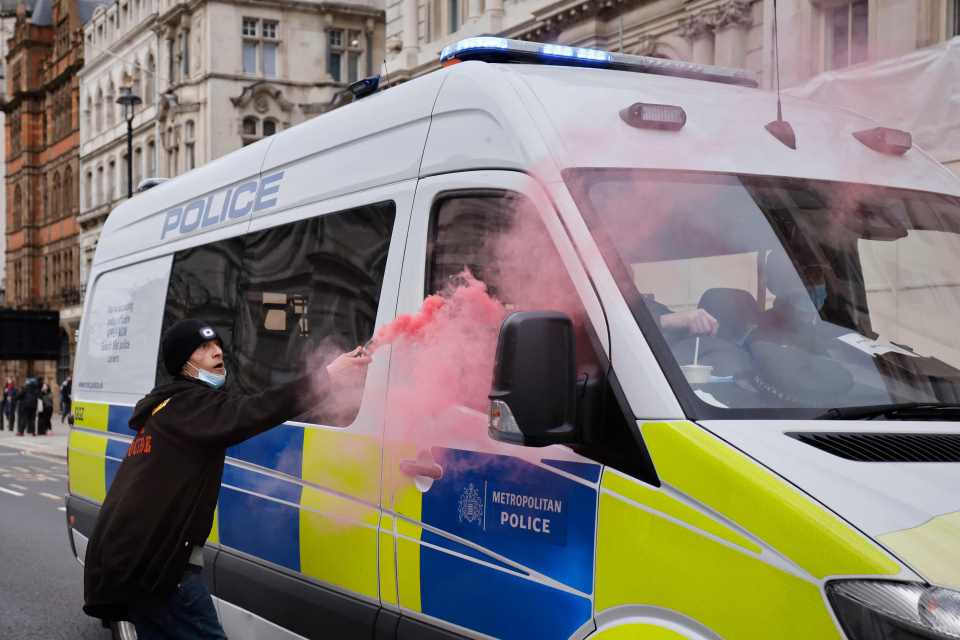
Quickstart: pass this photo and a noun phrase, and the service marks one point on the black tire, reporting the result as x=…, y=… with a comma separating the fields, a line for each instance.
x=123, y=631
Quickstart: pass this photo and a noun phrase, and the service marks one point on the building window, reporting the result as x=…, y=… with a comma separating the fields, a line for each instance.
x=335, y=53
x=151, y=80
x=847, y=30
x=101, y=189
x=954, y=24
x=110, y=105
x=17, y=208
x=171, y=62
x=123, y=173
x=189, y=145
x=185, y=54
x=249, y=130
x=88, y=190
x=453, y=15
x=269, y=127
x=111, y=181
x=342, y=52
x=15, y=132
x=98, y=111
x=151, y=159
x=68, y=191
x=137, y=166
x=54, y=212
x=260, y=45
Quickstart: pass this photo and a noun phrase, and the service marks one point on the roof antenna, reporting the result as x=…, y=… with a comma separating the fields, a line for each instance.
x=780, y=128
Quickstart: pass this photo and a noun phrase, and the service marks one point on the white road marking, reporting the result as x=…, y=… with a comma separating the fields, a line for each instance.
x=21, y=469
x=12, y=492
x=61, y=508
x=51, y=496
x=18, y=486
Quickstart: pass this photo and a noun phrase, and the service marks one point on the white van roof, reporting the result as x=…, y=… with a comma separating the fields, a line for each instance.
x=539, y=119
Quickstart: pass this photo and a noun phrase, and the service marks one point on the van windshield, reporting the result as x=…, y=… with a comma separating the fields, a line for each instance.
x=761, y=293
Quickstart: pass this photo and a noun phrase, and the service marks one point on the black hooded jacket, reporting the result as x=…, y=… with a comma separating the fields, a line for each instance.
x=162, y=500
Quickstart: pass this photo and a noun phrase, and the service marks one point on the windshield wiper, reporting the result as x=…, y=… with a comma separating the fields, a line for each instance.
x=901, y=410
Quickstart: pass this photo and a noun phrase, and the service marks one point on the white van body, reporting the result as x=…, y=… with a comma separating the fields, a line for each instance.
x=319, y=534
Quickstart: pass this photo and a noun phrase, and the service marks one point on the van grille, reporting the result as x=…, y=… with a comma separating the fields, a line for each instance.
x=886, y=447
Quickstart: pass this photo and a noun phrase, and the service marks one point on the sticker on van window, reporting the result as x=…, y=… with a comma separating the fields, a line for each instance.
x=872, y=347
x=231, y=203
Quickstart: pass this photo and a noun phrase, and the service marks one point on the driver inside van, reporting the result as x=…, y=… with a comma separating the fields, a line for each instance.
x=693, y=322
x=144, y=560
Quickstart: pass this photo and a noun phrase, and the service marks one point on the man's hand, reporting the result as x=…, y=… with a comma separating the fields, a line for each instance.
x=697, y=321
x=347, y=369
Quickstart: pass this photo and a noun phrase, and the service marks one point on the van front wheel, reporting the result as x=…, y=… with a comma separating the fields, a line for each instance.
x=123, y=631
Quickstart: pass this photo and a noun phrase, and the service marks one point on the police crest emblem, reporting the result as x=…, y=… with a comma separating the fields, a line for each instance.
x=470, y=507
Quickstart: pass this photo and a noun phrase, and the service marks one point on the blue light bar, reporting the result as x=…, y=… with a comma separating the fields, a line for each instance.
x=493, y=49
x=482, y=43
x=575, y=53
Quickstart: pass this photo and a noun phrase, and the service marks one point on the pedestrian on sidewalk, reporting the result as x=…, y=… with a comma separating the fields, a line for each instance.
x=144, y=559
x=66, y=392
x=44, y=410
x=7, y=406
x=27, y=408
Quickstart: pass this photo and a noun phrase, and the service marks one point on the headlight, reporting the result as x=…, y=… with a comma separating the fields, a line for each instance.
x=875, y=610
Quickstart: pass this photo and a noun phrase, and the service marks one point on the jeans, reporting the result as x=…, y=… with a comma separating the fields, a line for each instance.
x=186, y=614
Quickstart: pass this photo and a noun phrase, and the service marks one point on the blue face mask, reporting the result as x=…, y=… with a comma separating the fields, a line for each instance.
x=215, y=380
x=818, y=295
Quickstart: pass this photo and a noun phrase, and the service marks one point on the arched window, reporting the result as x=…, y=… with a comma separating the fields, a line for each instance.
x=17, y=208
x=111, y=180
x=45, y=197
x=88, y=115
x=98, y=111
x=269, y=127
x=54, y=212
x=151, y=170
x=189, y=145
x=68, y=198
x=101, y=188
x=249, y=131
x=137, y=80
x=150, y=80
x=88, y=190
x=110, y=106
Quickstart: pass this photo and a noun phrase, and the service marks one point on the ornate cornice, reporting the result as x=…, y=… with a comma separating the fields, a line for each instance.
x=729, y=13
x=260, y=93
x=733, y=13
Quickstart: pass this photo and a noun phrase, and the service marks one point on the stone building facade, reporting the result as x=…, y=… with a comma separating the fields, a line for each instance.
x=815, y=35
x=214, y=75
x=42, y=170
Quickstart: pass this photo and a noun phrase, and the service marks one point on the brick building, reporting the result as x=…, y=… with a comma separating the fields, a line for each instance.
x=42, y=170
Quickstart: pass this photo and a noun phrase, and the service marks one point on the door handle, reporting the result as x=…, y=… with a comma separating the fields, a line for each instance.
x=415, y=468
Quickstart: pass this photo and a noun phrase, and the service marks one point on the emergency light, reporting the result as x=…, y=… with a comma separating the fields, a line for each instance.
x=494, y=49
x=892, y=142
x=654, y=116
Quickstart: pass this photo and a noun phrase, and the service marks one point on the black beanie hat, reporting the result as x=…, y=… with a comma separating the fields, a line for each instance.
x=182, y=339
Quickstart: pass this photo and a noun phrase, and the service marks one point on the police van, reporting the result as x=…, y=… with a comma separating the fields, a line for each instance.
x=740, y=423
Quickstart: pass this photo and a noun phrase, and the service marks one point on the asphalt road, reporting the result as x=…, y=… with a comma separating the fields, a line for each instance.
x=41, y=583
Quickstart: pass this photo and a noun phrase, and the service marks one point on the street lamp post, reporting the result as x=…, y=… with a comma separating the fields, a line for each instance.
x=129, y=101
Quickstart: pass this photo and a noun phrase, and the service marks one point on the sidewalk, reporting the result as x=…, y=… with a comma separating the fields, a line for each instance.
x=53, y=445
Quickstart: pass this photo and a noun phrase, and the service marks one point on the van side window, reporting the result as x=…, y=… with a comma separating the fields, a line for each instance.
x=280, y=294
x=499, y=237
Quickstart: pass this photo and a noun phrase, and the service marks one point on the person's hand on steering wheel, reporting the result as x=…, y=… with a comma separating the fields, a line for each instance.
x=697, y=321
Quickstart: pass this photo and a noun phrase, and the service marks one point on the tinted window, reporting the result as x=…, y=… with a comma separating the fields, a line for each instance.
x=278, y=295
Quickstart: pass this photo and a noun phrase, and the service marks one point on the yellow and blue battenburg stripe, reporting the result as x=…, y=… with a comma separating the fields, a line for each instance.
x=287, y=496
x=501, y=535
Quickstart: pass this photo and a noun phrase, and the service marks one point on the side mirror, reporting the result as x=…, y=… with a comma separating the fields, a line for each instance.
x=533, y=399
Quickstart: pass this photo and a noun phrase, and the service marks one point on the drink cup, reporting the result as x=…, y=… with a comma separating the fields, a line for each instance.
x=696, y=373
